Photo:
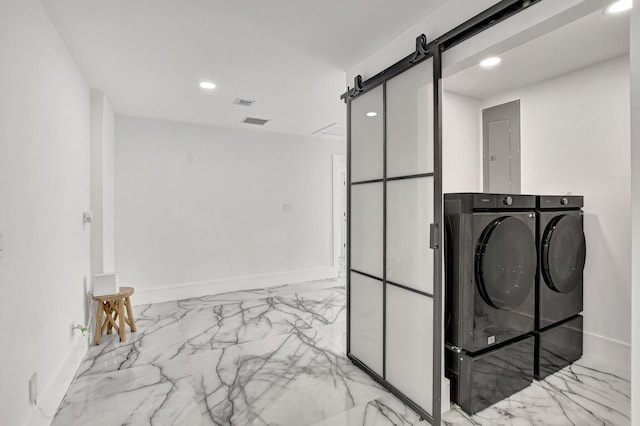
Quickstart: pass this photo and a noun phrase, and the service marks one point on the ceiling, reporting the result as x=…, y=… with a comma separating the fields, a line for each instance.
x=586, y=41
x=290, y=56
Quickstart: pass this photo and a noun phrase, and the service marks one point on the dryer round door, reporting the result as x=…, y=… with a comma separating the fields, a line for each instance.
x=563, y=253
x=505, y=263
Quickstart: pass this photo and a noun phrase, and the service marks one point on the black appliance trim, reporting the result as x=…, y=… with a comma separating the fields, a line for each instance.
x=499, y=344
x=555, y=324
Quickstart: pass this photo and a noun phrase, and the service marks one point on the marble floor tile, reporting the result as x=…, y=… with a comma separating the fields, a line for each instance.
x=221, y=326
x=293, y=379
x=576, y=395
x=156, y=310
x=306, y=286
x=322, y=307
x=216, y=327
x=222, y=298
x=385, y=411
x=277, y=357
x=158, y=338
x=336, y=333
x=161, y=394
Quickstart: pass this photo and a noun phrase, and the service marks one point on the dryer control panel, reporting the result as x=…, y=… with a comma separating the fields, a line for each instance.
x=556, y=202
x=482, y=201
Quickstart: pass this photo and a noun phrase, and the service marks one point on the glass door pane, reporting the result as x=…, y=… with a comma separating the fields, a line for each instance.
x=410, y=121
x=367, y=136
x=409, y=214
x=366, y=321
x=409, y=261
x=410, y=344
x=366, y=228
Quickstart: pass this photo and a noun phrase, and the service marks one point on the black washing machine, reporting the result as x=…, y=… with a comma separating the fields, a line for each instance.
x=491, y=264
x=562, y=250
x=491, y=268
x=559, y=289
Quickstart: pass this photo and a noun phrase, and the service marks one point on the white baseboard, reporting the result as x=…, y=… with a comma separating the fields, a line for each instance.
x=445, y=395
x=616, y=355
x=49, y=400
x=203, y=288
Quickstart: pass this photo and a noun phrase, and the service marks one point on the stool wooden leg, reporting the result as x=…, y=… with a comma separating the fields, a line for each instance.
x=120, y=308
x=99, y=314
x=110, y=321
x=132, y=322
x=109, y=311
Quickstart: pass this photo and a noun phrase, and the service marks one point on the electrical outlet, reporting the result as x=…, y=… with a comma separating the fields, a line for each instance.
x=286, y=207
x=33, y=388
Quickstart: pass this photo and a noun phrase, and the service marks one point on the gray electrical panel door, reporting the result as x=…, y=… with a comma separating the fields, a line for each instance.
x=501, y=148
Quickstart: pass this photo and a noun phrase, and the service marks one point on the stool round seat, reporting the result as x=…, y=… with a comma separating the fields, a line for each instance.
x=115, y=307
x=124, y=292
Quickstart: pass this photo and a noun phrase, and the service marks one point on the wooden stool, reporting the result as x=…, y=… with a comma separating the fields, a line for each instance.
x=113, y=306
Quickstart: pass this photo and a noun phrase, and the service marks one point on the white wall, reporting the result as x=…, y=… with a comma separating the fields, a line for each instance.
x=197, y=205
x=102, y=181
x=44, y=188
x=635, y=212
x=575, y=139
x=462, y=143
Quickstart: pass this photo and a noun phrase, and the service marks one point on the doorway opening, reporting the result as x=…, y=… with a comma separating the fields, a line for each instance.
x=339, y=214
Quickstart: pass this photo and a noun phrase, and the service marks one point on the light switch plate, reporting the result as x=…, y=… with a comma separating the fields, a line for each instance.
x=87, y=217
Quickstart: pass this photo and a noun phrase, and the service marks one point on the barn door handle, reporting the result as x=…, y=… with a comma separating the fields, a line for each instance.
x=434, y=242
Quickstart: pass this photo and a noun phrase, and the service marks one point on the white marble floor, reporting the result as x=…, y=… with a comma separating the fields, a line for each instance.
x=277, y=357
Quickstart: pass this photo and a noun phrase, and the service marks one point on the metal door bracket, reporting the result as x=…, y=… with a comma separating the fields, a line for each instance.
x=357, y=85
x=421, y=48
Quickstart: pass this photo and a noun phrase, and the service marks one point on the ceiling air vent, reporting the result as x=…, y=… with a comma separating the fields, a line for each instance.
x=243, y=102
x=253, y=120
x=333, y=129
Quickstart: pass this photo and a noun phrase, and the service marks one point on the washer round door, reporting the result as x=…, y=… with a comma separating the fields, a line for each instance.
x=563, y=253
x=505, y=263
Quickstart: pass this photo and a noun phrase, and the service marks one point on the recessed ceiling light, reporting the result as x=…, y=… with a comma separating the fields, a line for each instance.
x=490, y=62
x=207, y=85
x=618, y=7
x=372, y=114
